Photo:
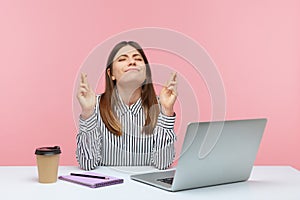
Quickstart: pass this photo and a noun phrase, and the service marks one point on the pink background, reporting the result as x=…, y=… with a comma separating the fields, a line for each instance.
x=255, y=45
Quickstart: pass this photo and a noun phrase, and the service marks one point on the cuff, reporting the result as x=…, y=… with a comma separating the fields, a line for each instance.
x=88, y=124
x=165, y=121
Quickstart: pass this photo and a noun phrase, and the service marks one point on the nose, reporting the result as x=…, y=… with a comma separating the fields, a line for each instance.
x=132, y=62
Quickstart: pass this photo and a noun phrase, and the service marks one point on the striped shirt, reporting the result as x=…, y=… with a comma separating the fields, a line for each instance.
x=96, y=145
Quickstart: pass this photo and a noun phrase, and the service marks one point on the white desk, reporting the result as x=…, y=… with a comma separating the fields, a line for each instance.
x=266, y=182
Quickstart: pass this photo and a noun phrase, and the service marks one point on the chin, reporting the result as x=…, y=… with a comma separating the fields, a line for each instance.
x=132, y=81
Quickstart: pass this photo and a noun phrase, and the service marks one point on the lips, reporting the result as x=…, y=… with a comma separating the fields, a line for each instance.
x=132, y=69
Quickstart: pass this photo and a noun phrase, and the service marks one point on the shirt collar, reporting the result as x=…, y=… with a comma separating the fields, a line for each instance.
x=122, y=108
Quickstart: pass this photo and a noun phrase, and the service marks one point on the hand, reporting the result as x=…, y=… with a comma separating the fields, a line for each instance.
x=86, y=97
x=168, y=95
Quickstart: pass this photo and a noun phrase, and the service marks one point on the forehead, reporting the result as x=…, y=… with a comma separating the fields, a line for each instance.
x=126, y=50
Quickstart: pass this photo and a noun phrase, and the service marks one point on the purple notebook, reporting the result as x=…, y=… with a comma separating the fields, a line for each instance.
x=92, y=182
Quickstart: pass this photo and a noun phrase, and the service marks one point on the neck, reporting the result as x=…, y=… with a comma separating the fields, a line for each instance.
x=129, y=95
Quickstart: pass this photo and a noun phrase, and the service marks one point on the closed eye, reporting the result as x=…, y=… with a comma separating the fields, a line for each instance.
x=122, y=59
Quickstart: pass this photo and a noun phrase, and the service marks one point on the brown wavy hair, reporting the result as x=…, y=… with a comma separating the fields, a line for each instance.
x=108, y=98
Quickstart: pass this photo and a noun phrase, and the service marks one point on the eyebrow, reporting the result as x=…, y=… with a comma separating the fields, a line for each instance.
x=134, y=55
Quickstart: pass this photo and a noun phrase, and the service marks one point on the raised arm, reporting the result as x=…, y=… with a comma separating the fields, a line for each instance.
x=164, y=137
x=88, y=137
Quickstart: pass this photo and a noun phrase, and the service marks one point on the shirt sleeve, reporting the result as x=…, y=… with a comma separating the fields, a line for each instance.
x=89, y=141
x=163, y=152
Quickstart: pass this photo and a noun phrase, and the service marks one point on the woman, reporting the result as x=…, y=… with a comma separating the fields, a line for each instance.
x=127, y=124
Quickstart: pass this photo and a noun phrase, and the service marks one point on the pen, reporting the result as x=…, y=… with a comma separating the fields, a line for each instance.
x=89, y=176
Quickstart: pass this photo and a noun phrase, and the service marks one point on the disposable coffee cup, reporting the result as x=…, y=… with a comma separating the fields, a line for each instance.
x=47, y=159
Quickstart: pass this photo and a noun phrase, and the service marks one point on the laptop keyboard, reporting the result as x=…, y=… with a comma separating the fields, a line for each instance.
x=166, y=180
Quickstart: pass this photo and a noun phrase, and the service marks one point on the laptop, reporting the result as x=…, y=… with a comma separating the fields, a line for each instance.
x=212, y=153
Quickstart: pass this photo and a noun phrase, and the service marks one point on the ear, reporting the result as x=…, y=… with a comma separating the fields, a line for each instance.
x=108, y=73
